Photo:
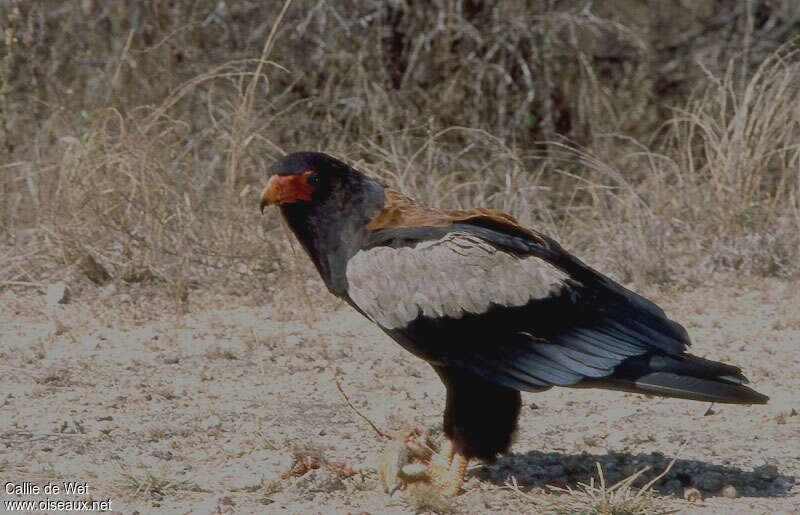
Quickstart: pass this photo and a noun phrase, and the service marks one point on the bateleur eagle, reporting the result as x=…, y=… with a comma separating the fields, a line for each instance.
x=494, y=307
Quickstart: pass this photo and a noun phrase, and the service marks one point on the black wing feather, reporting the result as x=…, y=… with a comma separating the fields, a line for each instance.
x=589, y=332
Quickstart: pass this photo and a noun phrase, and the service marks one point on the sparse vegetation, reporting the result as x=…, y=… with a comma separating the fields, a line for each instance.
x=165, y=430
x=150, y=485
x=617, y=499
x=56, y=377
x=657, y=140
x=597, y=498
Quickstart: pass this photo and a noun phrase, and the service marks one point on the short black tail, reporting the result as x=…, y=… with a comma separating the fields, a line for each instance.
x=684, y=376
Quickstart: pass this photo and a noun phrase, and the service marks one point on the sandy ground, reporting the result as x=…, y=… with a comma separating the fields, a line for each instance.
x=222, y=404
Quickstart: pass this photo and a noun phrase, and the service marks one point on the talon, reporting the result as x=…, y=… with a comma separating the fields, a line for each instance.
x=447, y=469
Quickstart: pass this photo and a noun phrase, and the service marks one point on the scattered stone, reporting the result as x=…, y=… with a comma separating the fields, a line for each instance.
x=304, y=464
x=138, y=275
x=292, y=340
x=108, y=291
x=211, y=422
x=265, y=501
x=616, y=440
x=319, y=480
x=780, y=418
x=692, y=495
x=107, y=418
x=591, y=440
x=164, y=455
x=172, y=360
x=60, y=327
x=57, y=293
x=533, y=405
x=710, y=411
x=227, y=501
x=94, y=270
x=729, y=491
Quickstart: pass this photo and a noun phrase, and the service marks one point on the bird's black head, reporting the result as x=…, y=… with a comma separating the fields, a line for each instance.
x=304, y=177
x=327, y=204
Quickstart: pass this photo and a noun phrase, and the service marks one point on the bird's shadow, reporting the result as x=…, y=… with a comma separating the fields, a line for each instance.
x=536, y=469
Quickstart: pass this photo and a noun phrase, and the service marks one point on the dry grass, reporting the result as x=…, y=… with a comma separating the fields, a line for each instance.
x=137, y=138
x=149, y=485
x=621, y=498
x=617, y=499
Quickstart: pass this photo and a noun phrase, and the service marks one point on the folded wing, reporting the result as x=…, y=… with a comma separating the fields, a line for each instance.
x=525, y=314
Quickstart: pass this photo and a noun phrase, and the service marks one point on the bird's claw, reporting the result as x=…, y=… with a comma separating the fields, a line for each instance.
x=409, y=459
x=404, y=461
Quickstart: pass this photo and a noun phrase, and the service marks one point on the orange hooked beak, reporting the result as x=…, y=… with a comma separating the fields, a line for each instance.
x=286, y=189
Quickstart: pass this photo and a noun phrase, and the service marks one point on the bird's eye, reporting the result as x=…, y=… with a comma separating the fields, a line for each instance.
x=313, y=179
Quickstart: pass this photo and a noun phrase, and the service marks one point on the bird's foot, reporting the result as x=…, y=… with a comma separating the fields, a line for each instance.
x=410, y=459
x=446, y=469
x=403, y=461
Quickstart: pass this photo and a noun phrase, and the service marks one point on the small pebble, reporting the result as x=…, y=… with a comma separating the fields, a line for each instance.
x=108, y=290
x=211, y=422
x=60, y=328
x=591, y=440
x=164, y=455
x=730, y=492
x=692, y=494
x=57, y=293
x=171, y=360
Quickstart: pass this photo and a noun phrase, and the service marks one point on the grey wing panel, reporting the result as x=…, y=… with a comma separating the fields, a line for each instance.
x=456, y=274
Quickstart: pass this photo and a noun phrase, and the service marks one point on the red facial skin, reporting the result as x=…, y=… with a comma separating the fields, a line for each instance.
x=286, y=189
